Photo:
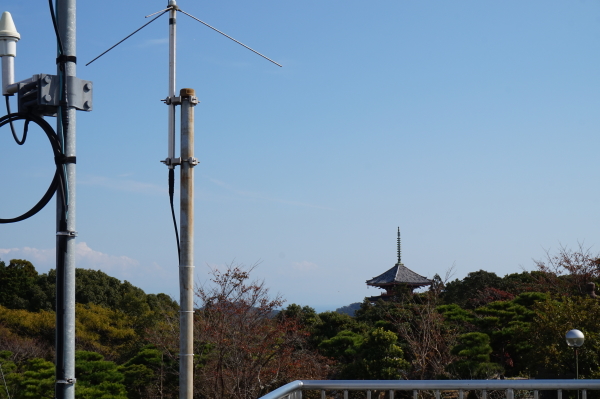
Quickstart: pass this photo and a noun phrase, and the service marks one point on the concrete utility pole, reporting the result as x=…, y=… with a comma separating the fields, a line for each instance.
x=65, y=219
x=186, y=263
x=186, y=161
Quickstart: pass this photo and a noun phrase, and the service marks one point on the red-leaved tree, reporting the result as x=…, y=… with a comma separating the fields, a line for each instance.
x=244, y=351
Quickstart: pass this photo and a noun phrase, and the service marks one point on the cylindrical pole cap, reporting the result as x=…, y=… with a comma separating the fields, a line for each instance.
x=187, y=93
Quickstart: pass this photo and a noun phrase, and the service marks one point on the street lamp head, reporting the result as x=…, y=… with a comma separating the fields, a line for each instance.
x=574, y=338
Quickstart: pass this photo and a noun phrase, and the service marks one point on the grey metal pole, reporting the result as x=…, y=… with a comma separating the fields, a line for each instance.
x=186, y=263
x=65, y=238
x=576, y=370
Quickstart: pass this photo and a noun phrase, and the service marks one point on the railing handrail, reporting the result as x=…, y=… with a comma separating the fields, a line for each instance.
x=422, y=385
x=284, y=390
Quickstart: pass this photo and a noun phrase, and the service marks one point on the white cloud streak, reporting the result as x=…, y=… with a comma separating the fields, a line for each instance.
x=121, y=267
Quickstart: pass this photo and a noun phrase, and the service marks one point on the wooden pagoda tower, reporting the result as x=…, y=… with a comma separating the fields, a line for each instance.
x=397, y=275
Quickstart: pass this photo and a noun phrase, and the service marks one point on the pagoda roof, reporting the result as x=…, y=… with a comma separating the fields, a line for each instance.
x=399, y=274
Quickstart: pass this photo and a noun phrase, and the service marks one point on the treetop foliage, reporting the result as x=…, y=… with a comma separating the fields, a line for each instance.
x=247, y=343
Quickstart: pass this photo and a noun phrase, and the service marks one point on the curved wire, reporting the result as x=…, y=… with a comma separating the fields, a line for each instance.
x=171, y=192
x=55, y=24
x=12, y=128
x=59, y=178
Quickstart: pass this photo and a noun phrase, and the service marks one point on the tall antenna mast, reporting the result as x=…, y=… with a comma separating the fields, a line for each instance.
x=187, y=100
x=172, y=78
x=399, y=250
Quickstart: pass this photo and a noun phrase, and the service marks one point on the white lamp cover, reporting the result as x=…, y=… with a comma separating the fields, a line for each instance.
x=574, y=338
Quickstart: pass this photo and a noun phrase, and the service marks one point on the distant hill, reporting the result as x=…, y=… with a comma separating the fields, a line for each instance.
x=349, y=309
x=22, y=287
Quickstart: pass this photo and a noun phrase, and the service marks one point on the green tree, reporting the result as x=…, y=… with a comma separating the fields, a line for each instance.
x=17, y=280
x=38, y=380
x=550, y=356
x=9, y=379
x=467, y=291
x=371, y=356
x=143, y=373
x=332, y=323
x=504, y=322
x=305, y=315
x=97, y=378
x=474, y=351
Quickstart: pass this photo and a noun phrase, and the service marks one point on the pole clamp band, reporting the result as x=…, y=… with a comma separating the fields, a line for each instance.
x=68, y=381
x=178, y=161
x=64, y=160
x=172, y=100
x=67, y=233
x=66, y=58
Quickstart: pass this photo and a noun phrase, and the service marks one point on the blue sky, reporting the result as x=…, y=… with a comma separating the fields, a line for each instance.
x=471, y=125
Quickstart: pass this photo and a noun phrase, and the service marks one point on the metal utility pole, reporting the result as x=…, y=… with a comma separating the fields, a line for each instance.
x=186, y=263
x=65, y=218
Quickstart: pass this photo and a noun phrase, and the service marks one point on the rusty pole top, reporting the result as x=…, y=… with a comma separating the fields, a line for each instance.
x=187, y=93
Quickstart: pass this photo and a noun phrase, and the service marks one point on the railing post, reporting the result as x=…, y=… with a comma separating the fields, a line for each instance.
x=461, y=394
x=484, y=394
x=536, y=394
x=584, y=394
x=391, y=394
x=345, y=394
x=437, y=394
x=323, y=394
x=369, y=394
x=416, y=394
x=510, y=394
x=559, y=394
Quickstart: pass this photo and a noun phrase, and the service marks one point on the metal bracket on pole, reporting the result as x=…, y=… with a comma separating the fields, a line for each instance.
x=68, y=381
x=41, y=94
x=192, y=162
x=177, y=100
x=178, y=161
x=171, y=161
x=67, y=233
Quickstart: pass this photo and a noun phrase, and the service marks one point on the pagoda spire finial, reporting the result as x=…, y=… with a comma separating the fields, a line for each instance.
x=399, y=250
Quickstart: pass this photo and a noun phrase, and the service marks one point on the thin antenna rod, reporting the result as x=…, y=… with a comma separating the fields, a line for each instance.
x=143, y=26
x=229, y=37
x=154, y=13
x=172, y=82
x=399, y=251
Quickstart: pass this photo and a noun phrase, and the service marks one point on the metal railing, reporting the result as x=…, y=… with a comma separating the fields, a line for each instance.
x=293, y=390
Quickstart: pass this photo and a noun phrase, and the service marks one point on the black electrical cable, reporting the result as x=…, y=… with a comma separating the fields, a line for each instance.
x=62, y=135
x=59, y=159
x=171, y=193
x=12, y=128
x=55, y=24
x=61, y=60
